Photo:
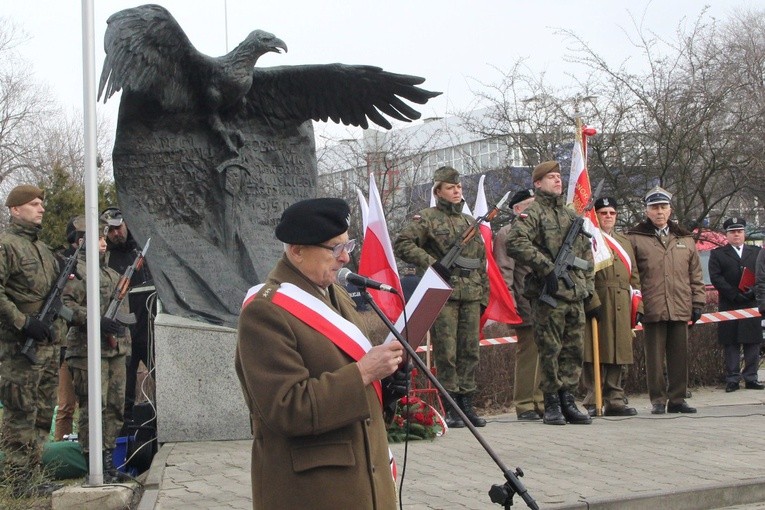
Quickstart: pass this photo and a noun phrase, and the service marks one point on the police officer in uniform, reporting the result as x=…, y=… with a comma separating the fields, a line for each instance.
x=28, y=270
x=424, y=242
x=527, y=397
x=558, y=331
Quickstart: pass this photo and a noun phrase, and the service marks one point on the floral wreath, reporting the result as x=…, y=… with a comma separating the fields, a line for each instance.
x=414, y=420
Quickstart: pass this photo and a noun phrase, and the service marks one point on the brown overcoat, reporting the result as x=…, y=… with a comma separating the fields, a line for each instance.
x=671, y=278
x=319, y=436
x=612, y=285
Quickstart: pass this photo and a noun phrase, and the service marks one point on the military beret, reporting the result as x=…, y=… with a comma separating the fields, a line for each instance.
x=112, y=217
x=520, y=196
x=658, y=195
x=313, y=221
x=543, y=169
x=446, y=174
x=23, y=194
x=605, y=202
x=734, y=224
x=75, y=229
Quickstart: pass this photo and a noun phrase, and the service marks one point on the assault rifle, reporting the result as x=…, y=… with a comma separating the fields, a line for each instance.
x=53, y=306
x=119, y=293
x=453, y=255
x=566, y=260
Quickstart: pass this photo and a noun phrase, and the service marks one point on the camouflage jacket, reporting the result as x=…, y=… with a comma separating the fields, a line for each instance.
x=430, y=235
x=75, y=297
x=535, y=239
x=28, y=270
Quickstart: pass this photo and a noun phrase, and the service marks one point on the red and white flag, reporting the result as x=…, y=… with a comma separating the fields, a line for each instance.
x=580, y=193
x=377, y=261
x=501, y=306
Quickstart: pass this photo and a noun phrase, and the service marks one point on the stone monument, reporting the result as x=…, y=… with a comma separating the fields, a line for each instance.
x=209, y=152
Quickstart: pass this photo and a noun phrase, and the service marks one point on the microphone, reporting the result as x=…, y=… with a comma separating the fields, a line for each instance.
x=345, y=276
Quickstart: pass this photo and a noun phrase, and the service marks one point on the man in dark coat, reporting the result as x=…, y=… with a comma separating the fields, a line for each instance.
x=310, y=376
x=727, y=264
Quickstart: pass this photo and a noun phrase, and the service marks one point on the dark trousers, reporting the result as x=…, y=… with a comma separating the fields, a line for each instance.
x=666, y=339
x=733, y=373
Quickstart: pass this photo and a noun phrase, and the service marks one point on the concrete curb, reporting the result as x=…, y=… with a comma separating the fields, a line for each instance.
x=703, y=498
x=153, y=482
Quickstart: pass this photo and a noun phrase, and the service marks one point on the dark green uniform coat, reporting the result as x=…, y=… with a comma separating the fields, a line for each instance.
x=319, y=436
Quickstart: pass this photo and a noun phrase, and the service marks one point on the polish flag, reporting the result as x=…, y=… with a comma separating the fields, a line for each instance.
x=377, y=261
x=501, y=304
x=580, y=193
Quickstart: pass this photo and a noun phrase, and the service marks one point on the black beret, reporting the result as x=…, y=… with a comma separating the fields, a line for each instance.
x=23, y=194
x=313, y=221
x=520, y=196
x=605, y=202
x=734, y=224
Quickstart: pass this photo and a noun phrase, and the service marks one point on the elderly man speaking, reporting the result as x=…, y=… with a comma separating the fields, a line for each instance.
x=311, y=377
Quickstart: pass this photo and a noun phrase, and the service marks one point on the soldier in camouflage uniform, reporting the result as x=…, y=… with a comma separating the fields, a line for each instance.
x=424, y=242
x=115, y=345
x=28, y=270
x=535, y=240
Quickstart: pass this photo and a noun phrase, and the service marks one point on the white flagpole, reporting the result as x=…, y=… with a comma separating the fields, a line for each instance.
x=96, y=476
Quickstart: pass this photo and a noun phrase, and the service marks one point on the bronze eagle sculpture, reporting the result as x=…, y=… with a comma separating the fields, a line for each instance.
x=209, y=151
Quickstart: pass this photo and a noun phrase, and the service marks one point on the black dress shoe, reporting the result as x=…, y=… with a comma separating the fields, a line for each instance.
x=621, y=411
x=591, y=410
x=657, y=409
x=731, y=386
x=754, y=385
x=682, y=407
x=529, y=416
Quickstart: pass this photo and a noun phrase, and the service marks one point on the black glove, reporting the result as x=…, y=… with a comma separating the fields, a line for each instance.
x=396, y=385
x=750, y=294
x=551, y=282
x=111, y=327
x=442, y=271
x=594, y=313
x=34, y=328
x=638, y=318
x=741, y=299
x=695, y=315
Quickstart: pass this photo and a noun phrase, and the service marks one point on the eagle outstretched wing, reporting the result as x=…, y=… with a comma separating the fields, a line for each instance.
x=348, y=94
x=147, y=52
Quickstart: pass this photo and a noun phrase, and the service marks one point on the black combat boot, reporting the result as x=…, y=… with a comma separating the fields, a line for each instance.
x=453, y=419
x=553, y=414
x=466, y=404
x=572, y=413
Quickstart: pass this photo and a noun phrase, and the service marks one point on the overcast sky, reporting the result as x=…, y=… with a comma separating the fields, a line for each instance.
x=453, y=44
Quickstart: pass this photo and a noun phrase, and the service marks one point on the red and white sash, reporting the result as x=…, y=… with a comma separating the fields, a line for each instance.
x=635, y=295
x=325, y=320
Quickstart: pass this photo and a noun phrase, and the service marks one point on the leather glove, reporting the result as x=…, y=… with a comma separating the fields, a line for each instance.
x=442, y=271
x=34, y=328
x=695, y=315
x=551, y=283
x=594, y=313
x=111, y=327
x=750, y=294
x=396, y=385
x=638, y=318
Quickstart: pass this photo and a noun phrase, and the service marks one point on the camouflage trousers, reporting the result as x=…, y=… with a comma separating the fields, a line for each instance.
x=28, y=394
x=113, y=373
x=455, y=345
x=559, y=335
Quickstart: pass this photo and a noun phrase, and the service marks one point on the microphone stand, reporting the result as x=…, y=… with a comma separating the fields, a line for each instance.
x=501, y=494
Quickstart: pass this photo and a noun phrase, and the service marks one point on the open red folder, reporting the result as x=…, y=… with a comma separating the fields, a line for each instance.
x=747, y=280
x=423, y=307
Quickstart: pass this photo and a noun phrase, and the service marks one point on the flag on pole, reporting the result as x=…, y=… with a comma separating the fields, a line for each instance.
x=501, y=306
x=377, y=261
x=580, y=193
x=363, y=209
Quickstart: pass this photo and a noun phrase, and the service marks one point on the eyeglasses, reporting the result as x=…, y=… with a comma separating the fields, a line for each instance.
x=607, y=213
x=338, y=249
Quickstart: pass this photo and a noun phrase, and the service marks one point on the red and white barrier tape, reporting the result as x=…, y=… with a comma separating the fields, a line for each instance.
x=730, y=315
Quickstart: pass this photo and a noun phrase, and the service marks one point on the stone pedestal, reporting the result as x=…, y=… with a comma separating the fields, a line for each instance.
x=198, y=394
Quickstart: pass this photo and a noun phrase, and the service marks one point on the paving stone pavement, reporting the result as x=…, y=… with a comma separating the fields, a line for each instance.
x=713, y=459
